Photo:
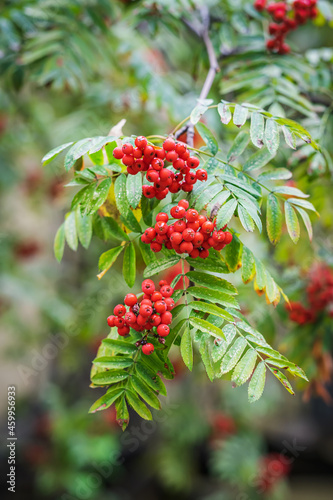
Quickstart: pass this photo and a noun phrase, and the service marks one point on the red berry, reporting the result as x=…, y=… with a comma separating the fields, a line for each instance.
x=146, y=300
x=162, y=283
x=157, y=164
x=149, y=152
x=148, y=287
x=127, y=148
x=160, y=306
x=152, y=176
x=186, y=247
x=195, y=253
x=170, y=303
x=130, y=318
x=166, y=175
x=161, y=227
x=177, y=212
x=123, y=331
x=156, y=296
x=188, y=234
x=128, y=160
x=146, y=310
x=204, y=254
x=191, y=215
x=163, y=330
x=180, y=148
x=169, y=144
x=118, y=153
x=228, y=238
x=178, y=164
x=198, y=240
x=160, y=195
x=162, y=217
x=191, y=177
x=179, y=226
x=174, y=187
x=183, y=203
x=160, y=153
x=111, y=320
x=130, y=299
x=193, y=225
x=119, y=310
x=155, y=319
x=176, y=238
x=166, y=318
x=141, y=142
x=201, y=219
x=166, y=291
x=119, y=322
x=201, y=174
x=148, y=349
x=155, y=247
x=148, y=191
x=171, y=156
x=207, y=227
x=218, y=236
x=137, y=153
x=193, y=162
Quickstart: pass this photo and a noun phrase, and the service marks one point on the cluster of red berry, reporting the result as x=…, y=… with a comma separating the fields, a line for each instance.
x=152, y=314
x=190, y=233
x=151, y=159
x=287, y=18
x=319, y=295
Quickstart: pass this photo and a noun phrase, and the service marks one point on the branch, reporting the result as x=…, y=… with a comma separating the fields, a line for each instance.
x=213, y=63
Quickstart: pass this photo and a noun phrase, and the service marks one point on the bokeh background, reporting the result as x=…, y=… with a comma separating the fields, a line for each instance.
x=71, y=69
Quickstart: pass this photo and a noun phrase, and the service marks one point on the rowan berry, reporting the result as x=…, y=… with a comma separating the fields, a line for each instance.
x=203, y=254
x=160, y=153
x=179, y=226
x=137, y=153
x=198, y=240
x=207, y=227
x=163, y=330
x=169, y=144
x=141, y=142
x=166, y=291
x=127, y=148
x=192, y=215
x=156, y=296
x=119, y=310
x=193, y=162
x=170, y=303
x=178, y=164
x=195, y=253
x=162, y=283
x=155, y=247
x=201, y=174
x=118, y=153
x=149, y=152
x=123, y=331
x=160, y=306
x=146, y=310
x=177, y=212
x=148, y=286
x=157, y=164
x=128, y=160
x=188, y=234
x=171, y=156
x=111, y=320
x=148, y=191
x=155, y=319
x=119, y=322
x=130, y=299
x=166, y=318
x=148, y=348
x=130, y=318
x=186, y=247
x=166, y=175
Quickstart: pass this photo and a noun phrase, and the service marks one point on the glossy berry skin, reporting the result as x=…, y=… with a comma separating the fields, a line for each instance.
x=177, y=212
x=161, y=227
x=163, y=330
x=170, y=303
x=162, y=283
x=228, y=238
x=111, y=320
x=176, y=238
x=183, y=203
x=166, y=291
x=148, y=287
x=166, y=318
x=160, y=306
x=130, y=318
x=127, y=148
x=119, y=310
x=119, y=322
x=191, y=215
x=146, y=310
x=130, y=299
x=186, y=247
x=188, y=234
x=163, y=217
x=201, y=174
x=123, y=331
x=148, y=348
x=169, y=144
x=141, y=142
x=118, y=153
x=207, y=227
x=193, y=162
x=152, y=176
x=155, y=247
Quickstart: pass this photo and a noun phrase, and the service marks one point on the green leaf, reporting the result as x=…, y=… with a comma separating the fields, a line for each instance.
x=302, y=203
x=292, y=222
x=160, y=265
x=145, y=392
x=112, y=229
x=99, y=142
x=245, y=367
x=205, y=326
x=109, y=377
x=245, y=218
x=306, y=220
x=260, y=274
x=210, y=264
x=284, y=381
x=84, y=227
x=272, y=136
x=186, y=348
x=240, y=115
x=275, y=175
x=233, y=254
x=225, y=213
x=147, y=255
x=120, y=192
x=258, y=160
x=99, y=196
x=51, y=155
x=130, y=221
x=108, y=258
x=122, y=412
x=248, y=265
x=208, y=137
x=211, y=309
x=151, y=378
x=70, y=231
x=274, y=219
x=106, y=401
x=113, y=362
x=224, y=112
x=213, y=296
x=134, y=189
x=129, y=265
x=257, y=129
x=238, y=146
x=212, y=282
x=206, y=358
x=79, y=149
x=290, y=191
x=197, y=113
x=120, y=346
x=59, y=243
x=289, y=137
x=233, y=355
x=257, y=383
x=135, y=402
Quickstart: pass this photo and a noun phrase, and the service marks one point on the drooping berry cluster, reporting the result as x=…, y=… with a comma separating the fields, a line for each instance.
x=319, y=296
x=151, y=159
x=151, y=315
x=287, y=18
x=190, y=233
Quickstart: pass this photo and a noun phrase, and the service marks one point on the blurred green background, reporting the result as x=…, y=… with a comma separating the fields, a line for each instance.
x=71, y=69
